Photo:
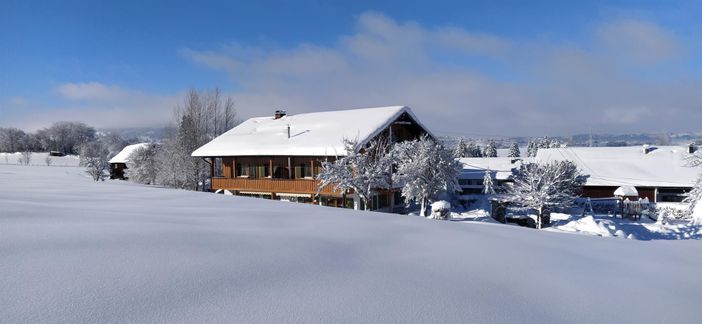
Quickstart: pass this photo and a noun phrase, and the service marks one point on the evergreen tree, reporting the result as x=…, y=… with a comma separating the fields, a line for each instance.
x=491, y=149
x=461, y=149
x=488, y=186
x=514, y=150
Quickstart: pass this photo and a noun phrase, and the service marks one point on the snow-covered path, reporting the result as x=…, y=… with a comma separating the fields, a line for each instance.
x=72, y=250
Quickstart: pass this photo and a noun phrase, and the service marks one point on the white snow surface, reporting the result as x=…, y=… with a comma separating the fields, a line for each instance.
x=123, y=155
x=311, y=134
x=39, y=158
x=78, y=251
x=626, y=191
x=617, y=166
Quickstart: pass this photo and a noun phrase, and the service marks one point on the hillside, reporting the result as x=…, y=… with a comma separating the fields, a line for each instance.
x=73, y=250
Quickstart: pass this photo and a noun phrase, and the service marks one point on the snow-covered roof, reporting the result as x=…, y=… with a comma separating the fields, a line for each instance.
x=474, y=168
x=662, y=166
x=123, y=155
x=311, y=134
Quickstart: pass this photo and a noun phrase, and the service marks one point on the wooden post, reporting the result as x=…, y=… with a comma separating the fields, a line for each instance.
x=270, y=168
x=211, y=175
x=289, y=169
x=312, y=168
x=233, y=174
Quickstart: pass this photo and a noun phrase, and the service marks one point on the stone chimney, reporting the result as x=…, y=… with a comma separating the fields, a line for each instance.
x=279, y=114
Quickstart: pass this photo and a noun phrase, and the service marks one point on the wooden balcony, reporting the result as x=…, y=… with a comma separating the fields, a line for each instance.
x=302, y=186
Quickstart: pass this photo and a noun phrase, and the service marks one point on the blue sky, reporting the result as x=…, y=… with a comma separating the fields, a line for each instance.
x=532, y=68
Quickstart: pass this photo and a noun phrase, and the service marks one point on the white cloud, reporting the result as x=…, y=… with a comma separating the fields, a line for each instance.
x=560, y=88
x=89, y=91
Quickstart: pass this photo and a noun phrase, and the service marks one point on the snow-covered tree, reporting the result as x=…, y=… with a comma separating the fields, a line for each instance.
x=93, y=156
x=201, y=117
x=532, y=149
x=514, y=150
x=362, y=170
x=461, y=149
x=541, y=187
x=142, y=166
x=491, y=149
x=474, y=150
x=488, y=185
x=25, y=157
x=425, y=168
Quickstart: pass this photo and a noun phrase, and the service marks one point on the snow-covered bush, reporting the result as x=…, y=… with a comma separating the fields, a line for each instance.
x=48, y=160
x=441, y=210
x=425, y=169
x=543, y=187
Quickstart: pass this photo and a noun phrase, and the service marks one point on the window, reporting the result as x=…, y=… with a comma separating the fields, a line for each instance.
x=303, y=170
x=242, y=170
x=218, y=172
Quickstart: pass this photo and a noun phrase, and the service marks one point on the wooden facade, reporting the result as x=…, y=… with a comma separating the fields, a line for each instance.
x=117, y=171
x=294, y=177
x=271, y=175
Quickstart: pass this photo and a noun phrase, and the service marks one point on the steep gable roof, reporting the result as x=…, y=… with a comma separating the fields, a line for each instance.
x=311, y=134
x=123, y=155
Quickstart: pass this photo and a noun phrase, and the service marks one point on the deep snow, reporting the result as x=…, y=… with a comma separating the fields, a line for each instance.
x=73, y=250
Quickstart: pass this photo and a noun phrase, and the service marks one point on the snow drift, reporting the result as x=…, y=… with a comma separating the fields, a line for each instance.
x=72, y=250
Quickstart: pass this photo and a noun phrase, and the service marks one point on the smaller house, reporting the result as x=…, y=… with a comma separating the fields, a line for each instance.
x=471, y=177
x=118, y=163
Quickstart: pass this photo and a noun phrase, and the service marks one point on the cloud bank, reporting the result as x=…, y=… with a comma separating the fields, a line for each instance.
x=626, y=77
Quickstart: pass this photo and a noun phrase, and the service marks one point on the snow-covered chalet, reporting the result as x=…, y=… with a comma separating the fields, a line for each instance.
x=279, y=156
x=118, y=163
x=658, y=173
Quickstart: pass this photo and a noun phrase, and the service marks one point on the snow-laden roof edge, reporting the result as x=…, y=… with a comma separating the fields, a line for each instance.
x=123, y=155
x=317, y=133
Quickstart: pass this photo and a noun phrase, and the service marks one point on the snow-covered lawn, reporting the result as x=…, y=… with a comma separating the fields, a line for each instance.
x=72, y=250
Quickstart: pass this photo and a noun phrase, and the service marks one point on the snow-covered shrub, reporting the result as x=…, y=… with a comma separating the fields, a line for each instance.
x=48, y=160
x=441, y=210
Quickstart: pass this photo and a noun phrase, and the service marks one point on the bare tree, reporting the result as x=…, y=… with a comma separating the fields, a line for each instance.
x=26, y=157
x=93, y=156
x=202, y=117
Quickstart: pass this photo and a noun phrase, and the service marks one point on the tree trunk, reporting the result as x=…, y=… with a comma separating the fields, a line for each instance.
x=423, y=207
x=538, y=218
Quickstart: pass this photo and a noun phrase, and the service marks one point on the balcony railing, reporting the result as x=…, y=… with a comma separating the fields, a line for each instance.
x=306, y=186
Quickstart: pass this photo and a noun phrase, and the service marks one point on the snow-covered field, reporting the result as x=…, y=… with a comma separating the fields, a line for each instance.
x=72, y=250
x=39, y=158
